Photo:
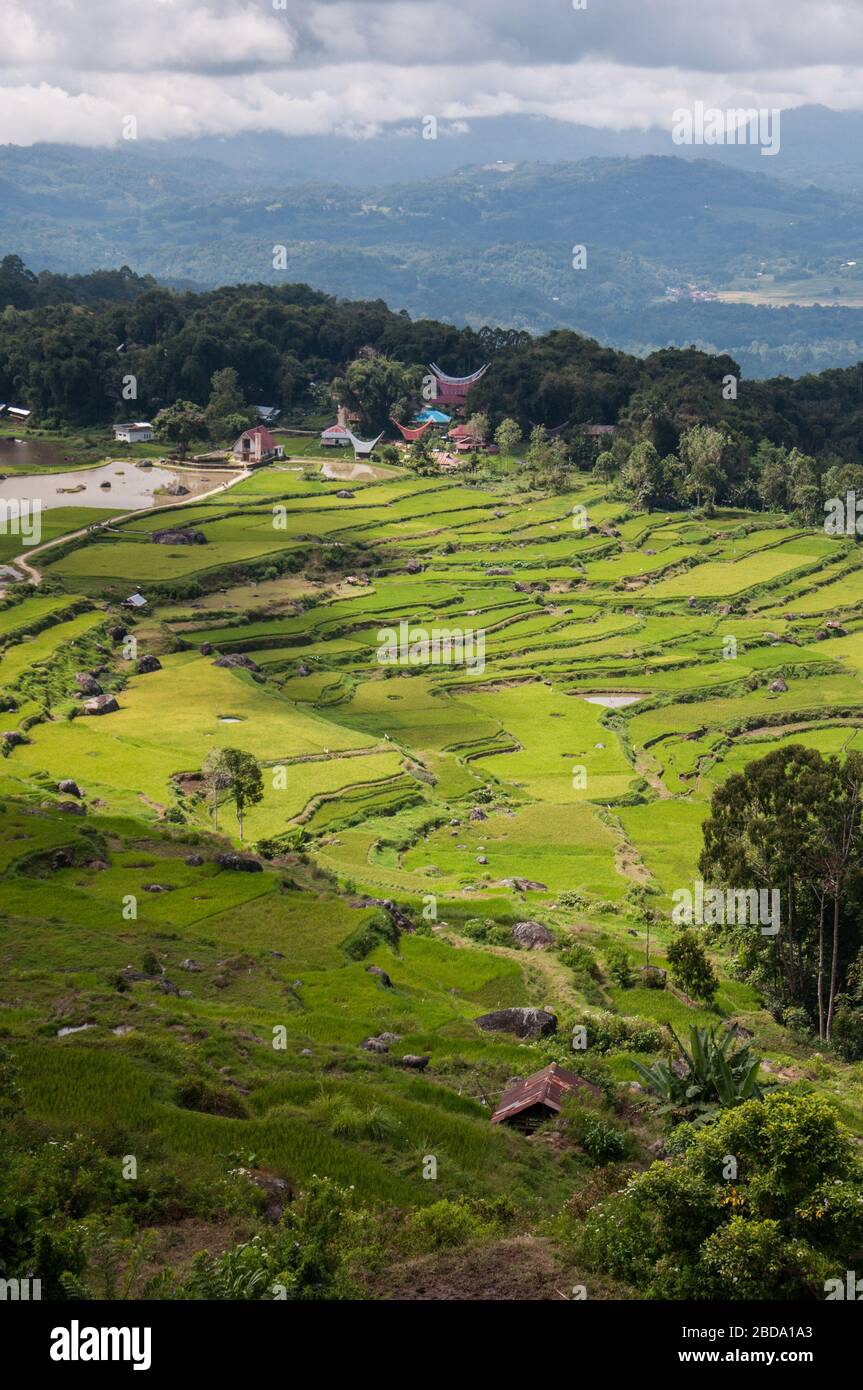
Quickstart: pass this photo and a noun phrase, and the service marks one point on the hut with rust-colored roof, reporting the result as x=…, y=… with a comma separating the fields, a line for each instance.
x=539, y=1097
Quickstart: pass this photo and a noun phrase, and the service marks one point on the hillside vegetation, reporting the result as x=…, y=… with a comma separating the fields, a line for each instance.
x=164, y=1005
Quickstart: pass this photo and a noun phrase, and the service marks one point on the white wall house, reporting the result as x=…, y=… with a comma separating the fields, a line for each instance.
x=138, y=432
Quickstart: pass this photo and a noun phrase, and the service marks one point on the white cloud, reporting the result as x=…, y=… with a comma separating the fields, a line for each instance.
x=72, y=69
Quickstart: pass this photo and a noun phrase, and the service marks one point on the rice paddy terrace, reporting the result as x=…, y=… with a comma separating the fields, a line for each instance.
x=631, y=663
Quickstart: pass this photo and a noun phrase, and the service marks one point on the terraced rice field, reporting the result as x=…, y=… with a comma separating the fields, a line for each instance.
x=624, y=665
x=626, y=670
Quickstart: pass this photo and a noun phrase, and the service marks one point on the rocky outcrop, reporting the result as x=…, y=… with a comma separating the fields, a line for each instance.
x=524, y=885
x=778, y=687
x=523, y=1022
x=146, y=664
x=69, y=787
x=102, y=704
x=240, y=863
x=87, y=683
x=237, y=659
x=533, y=935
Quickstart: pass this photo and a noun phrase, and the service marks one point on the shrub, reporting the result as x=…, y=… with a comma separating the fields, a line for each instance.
x=615, y=1033
x=848, y=1031
x=444, y=1225
x=582, y=962
x=690, y=968
x=619, y=967
x=685, y=1230
x=602, y=1140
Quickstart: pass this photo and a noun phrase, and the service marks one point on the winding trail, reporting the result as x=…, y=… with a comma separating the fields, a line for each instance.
x=35, y=576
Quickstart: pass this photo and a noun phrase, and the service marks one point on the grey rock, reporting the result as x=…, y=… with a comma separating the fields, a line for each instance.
x=102, y=704
x=523, y=1022
x=533, y=935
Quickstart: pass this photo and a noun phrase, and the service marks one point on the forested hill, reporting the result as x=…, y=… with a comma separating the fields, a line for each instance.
x=67, y=362
x=483, y=244
x=21, y=288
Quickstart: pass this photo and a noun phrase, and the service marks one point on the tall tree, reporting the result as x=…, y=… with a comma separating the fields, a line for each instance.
x=245, y=784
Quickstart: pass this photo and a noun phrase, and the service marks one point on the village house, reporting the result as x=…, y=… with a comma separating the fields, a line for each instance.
x=135, y=601
x=539, y=1097
x=597, y=431
x=453, y=390
x=337, y=436
x=465, y=440
x=257, y=445
x=136, y=432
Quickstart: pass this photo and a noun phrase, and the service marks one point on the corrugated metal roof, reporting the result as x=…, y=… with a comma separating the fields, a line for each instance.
x=546, y=1087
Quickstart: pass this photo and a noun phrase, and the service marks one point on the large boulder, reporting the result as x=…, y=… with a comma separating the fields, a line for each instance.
x=69, y=787
x=147, y=663
x=415, y=1063
x=71, y=808
x=533, y=935
x=238, y=659
x=12, y=738
x=240, y=863
x=523, y=1022
x=524, y=885
x=87, y=683
x=102, y=704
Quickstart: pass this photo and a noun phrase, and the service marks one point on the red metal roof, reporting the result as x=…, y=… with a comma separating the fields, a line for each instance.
x=546, y=1087
x=268, y=443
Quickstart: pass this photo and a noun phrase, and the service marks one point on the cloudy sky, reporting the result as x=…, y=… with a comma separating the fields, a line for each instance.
x=73, y=70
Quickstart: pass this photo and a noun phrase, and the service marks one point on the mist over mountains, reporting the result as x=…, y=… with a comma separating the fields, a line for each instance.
x=714, y=246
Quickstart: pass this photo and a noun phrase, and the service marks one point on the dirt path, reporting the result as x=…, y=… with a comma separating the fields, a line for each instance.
x=35, y=576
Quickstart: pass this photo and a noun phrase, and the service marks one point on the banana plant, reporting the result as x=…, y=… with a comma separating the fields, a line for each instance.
x=708, y=1076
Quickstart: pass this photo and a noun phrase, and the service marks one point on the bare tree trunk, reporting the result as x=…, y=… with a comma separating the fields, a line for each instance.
x=834, y=964
x=823, y=904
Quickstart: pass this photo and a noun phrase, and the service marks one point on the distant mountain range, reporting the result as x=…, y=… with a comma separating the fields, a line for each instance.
x=678, y=250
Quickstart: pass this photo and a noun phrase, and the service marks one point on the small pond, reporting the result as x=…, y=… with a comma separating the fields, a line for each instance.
x=130, y=487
